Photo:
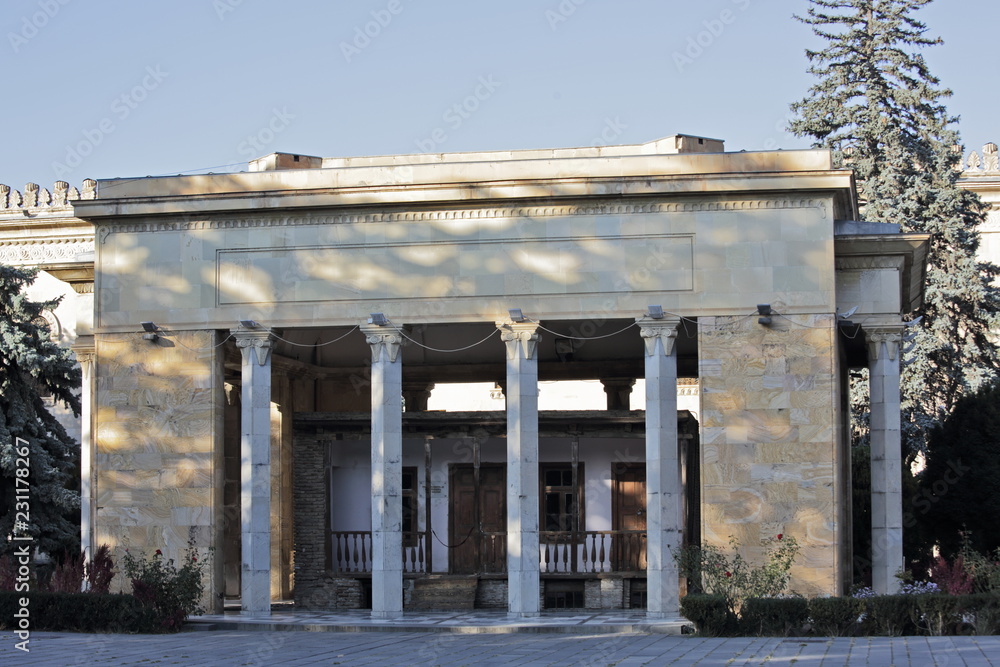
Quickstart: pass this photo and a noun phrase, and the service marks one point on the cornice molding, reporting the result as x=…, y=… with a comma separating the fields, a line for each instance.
x=612, y=207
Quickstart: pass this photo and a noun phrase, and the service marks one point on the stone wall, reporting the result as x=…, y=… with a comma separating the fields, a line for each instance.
x=159, y=466
x=771, y=460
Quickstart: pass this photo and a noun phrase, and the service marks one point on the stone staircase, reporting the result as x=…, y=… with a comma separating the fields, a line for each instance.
x=443, y=592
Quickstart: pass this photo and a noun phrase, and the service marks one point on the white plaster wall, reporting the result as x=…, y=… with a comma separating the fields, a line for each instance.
x=351, y=492
x=72, y=317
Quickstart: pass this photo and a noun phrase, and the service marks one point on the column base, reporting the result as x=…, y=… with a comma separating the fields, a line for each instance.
x=518, y=615
x=255, y=614
x=665, y=616
x=386, y=615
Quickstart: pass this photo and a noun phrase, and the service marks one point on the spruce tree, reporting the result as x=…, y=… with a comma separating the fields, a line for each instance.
x=881, y=112
x=32, y=365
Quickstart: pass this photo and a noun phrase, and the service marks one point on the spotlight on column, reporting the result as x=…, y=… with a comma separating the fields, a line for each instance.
x=378, y=319
x=249, y=324
x=516, y=315
x=914, y=322
x=150, y=328
x=655, y=312
x=764, y=310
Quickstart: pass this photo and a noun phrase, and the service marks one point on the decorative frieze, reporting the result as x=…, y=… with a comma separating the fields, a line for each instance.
x=44, y=251
x=611, y=207
x=35, y=197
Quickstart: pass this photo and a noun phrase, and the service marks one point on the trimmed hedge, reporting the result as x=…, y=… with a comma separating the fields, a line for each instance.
x=981, y=613
x=774, y=617
x=891, y=615
x=80, y=612
x=710, y=614
x=884, y=615
x=835, y=617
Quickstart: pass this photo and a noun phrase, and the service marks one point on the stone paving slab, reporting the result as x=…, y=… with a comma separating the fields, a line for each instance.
x=627, y=649
x=483, y=622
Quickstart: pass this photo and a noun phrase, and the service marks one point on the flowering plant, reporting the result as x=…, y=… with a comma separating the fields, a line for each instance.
x=712, y=570
x=171, y=592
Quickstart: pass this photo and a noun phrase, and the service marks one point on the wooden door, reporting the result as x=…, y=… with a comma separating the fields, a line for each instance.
x=629, y=514
x=477, y=534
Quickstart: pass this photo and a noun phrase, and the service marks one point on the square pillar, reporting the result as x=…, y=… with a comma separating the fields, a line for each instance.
x=255, y=471
x=523, y=576
x=664, y=489
x=387, y=471
x=886, y=456
x=85, y=357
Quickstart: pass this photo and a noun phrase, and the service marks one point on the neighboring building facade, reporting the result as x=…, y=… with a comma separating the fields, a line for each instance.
x=271, y=410
x=982, y=176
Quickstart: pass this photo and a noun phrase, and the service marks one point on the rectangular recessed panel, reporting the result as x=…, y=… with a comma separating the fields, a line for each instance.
x=481, y=268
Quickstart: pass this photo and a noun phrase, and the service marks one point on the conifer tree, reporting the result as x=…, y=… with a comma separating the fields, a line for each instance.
x=31, y=364
x=879, y=109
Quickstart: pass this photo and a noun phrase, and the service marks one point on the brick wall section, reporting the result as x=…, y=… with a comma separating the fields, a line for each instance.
x=314, y=587
x=491, y=594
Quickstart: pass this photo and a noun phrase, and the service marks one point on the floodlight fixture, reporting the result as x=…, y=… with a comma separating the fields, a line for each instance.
x=150, y=330
x=847, y=315
x=516, y=315
x=655, y=312
x=764, y=310
x=914, y=322
x=378, y=319
x=249, y=324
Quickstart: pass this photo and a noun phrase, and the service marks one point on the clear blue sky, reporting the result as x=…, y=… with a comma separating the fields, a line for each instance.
x=125, y=88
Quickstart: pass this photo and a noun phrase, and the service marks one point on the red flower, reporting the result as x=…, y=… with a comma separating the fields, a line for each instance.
x=194, y=559
x=729, y=574
x=159, y=553
x=780, y=535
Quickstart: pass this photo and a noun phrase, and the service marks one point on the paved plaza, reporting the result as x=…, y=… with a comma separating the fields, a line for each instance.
x=452, y=649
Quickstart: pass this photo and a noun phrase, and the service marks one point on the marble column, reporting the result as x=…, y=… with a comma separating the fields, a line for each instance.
x=416, y=395
x=664, y=490
x=85, y=357
x=387, y=471
x=886, y=455
x=619, y=391
x=523, y=576
x=255, y=470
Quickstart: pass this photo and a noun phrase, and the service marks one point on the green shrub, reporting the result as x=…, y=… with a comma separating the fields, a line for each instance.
x=981, y=613
x=835, y=617
x=80, y=612
x=891, y=615
x=774, y=617
x=939, y=614
x=710, y=614
x=709, y=569
x=172, y=593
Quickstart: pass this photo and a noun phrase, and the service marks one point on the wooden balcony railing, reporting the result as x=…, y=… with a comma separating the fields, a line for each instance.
x=564, y=552
x=351, y=551
x=592, y=551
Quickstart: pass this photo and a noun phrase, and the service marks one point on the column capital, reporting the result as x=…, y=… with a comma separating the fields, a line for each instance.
x=385, y=341
x=890, y=334
x=416, y=395
x=663, y=330
x=84, y=348
x=248, y=342
x=519, y=334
